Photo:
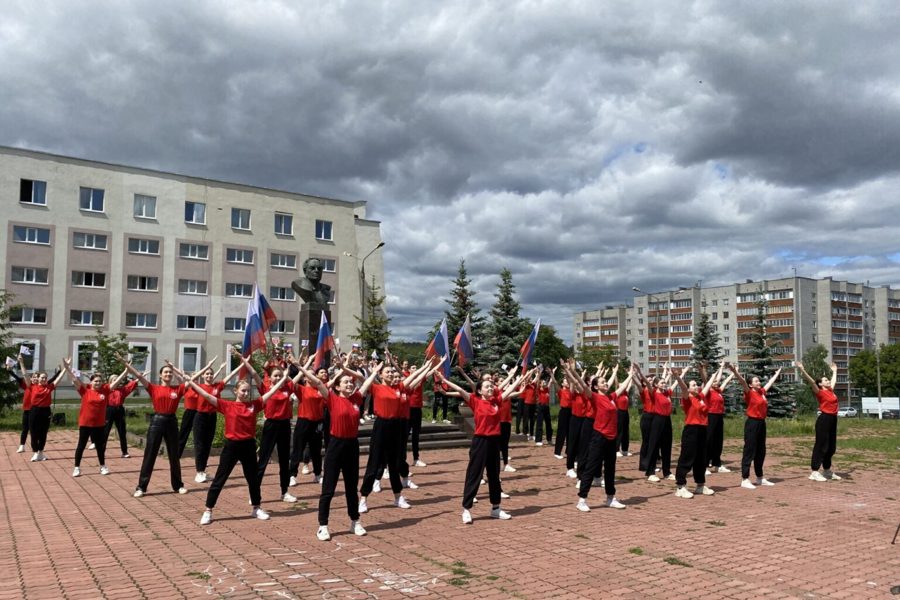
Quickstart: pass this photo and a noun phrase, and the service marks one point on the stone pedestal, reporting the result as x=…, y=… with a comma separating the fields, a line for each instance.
x=308, y=325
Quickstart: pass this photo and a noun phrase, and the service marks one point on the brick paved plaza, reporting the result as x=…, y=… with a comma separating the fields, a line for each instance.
x=88, y=538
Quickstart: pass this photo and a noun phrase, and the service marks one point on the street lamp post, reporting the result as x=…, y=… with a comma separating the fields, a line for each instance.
x=362, y=283
x=668, y=319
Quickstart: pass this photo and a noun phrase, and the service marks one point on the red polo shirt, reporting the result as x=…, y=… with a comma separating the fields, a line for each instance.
x=529, y=394
x=716, y=402
x=565, y=398
x=605, y=417
x=757, y=405
x=487, y=416
x=165, y=398
x=214, y=389
x=311, y=406
x=622, y=401
x=93, y=406
x=389, y=400
x=118, y=395
x=646, y=400
x=240, y=418
x=41, y=395
x=415, y=397
x=544, y=397
x=191, y=399
x=578, y=406
x=828, y=402
x=662, y=403
x=344, y=414
x=695, y=410
x=279, y=405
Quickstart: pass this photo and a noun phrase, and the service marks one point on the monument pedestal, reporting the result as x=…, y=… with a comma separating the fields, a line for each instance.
x=308, y=324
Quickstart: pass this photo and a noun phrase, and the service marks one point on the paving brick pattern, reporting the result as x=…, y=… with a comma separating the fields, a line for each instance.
x=69, y=538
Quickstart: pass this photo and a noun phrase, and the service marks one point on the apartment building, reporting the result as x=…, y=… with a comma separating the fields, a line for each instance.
x=657, y=327
x=169, y=259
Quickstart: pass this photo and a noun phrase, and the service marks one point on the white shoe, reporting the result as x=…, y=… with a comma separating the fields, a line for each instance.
x=583, y=505
x=558, y=456
x=612, y=502
x=671, y=477
x=499, y=513
x=446, y=421
x=126, y=455
x=206, y=519
x=619, y=455
x=182, y=490
x=629, y=454
x=76, y=472
x=259, y=514
x=41, y=456
x=386, y=474
x=200, y=477
x=683, y=492
x=138, y=493
x=408, y=483
x=292, y=482
x=400, y=502
x=376, y=487
x=433, y=421
x=317, y=479
x=466, y=517
x=288, y=498
x=475, y=500
x=831, y=475
x=305, y=470
x=763, y=481
x=483, y=481
x=323, y=533
x=816, y=476
x=361, y=422
x=420, y=463
x=704, y=490
x=708, y=472
x=539, y=443
x=509, y=469
x=104, y=470
x=653, y=479
x=747, y=484
x=356, y=528
x=723, y=469
x=577, y=484
x=657, y=469
x=504, y=495
x=92, y=446
x=571, y=474
x=20, y=449
x=363, y=506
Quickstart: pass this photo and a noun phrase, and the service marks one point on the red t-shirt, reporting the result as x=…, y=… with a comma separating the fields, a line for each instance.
x=117, y=396
x=389, y=400
x=579, y=406
x=589, y=411
x=715, y=401
x=695, y=410
x=647, y=400
x=191, y=399
x=240, y=418
x=828, y=402
x=93, y=406
x=529, y=393
x=662, y=403
x=605, y=417
x=757, y=405
x=344, y=414
x=26, y=396
x=165, y=398
x=505, y=409
x=311, y=406
x=415, y=397
x=622, y=401
x=41, y=395
x=544, y=397
x=487, y=415
x=279, y=405
x=565, y=398
x=214, y=389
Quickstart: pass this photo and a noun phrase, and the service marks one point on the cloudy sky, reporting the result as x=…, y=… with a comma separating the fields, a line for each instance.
x=589, y=147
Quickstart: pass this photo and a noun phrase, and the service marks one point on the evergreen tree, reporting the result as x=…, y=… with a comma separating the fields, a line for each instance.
x=506, y=331
x=707, y=352
x=106, y=347
x=462, y=303
x=815, y=361
x=373, y=332
x=591, y=356
x=10, y=394
x=757, y=345
x=549, y=348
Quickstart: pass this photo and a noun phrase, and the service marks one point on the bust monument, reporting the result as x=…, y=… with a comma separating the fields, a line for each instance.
x=310, y=287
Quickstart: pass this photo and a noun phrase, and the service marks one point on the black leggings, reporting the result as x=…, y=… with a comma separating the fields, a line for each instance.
x=505, y=433
x=542, y=422
x=601, y=461
x=23, y=437
x=275, y=433
x=521, y=416
x=115, y=416
x=39, y=425
x=715, y=438
x=826, y=442
x=623, y=422
x=573, y=443
x=484, y=456
x=562, y=430
x=307, y=436
x=341, y=458
x=645, y=423
x=531, y=418
x=384, y=449
x=584, y=444
x=162, y=427
x=204, y=432
x=96, y=435
x=243, y=451
x=754, y=447
x=693, y=455
x=415, y=428
x=661, y=444
x=184, y=432
x=439, y=400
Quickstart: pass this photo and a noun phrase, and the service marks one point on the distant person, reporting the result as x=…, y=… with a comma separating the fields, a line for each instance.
x=826, y=423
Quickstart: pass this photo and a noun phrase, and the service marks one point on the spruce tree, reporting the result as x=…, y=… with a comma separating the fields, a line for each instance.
x=462, y=303
x=507, y=330
x=757, y=344
x=373, y=332
x=706, y=350
x=815, y=361
x=10, y=393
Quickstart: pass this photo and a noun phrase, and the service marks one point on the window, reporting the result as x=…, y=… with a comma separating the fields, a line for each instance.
x=33, y=192
x=236, y=255
x=29, y=275
x=239, y=290
x=88, y=279
x=141, y=355
x=27, y=315
x=240, y=218
x=323, y=230
x=195, y=213
x=282, y=327
x=281, y=293
x=197, y=322
x=189, y=357
x=234, y=324
x=32, y=361
x=31, y=235
x=284, y=261
x=284, y=224
x=142, y=283
x=86, y=358
x=724, y=314
x=143, y=246
x=715, y=315
x=192, y=286
x=329, y=265
x=726, y=327
x=89, y=241
x=144, y=206
x=86, y=318
x=91, y=199
x=332, y=299
x=140, y=320
x=193, y=251
x=681, y=304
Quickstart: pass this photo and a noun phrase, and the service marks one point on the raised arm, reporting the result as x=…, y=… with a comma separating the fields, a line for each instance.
x=833, y=374
x=737, y=375
x=512, y=390
x=772, y=380
x=134, y=372
x=709, y=382
x=253, y=374
x=812, y=382
x=625, y=384
x=462, y=393
x=417, y=375
x=468, y=379
x=313, y=380
x=118, y=380
x=271, y=391
x=370, y=379
x=613, y=375
x=67, y=368
x=25, y=377
x=676, y=373
x=57, y=377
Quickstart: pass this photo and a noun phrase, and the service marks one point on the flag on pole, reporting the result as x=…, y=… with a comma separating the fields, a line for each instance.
x=267, y=315
x=439, y=346
x=24, y=350
x=10, y=362
x=463, y=343
x=528, y=346
x=255, y=327
x=325, y=343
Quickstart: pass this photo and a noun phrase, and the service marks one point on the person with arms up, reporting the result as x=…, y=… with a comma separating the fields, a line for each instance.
x=754, y=427
x=826, y=423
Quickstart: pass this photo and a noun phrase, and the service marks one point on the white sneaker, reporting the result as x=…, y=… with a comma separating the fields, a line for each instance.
x=483, y=481
x=259, y=514
x=182, y=490
x=76, y=472
x=499, y=513
x=206, y=519
x=619, y=454
x=612, y=502
x=446, y=421
x=356, y=528
x=386, y=475
x=629, y=454
x=747, y=484
x=292, y=482
x=466, y=517
x=558, y=456
x=200, y=477
x=317, y=479
x=409, y=483
x=683, y=492
x=704, y=490
x=126, y=455
x=305, y=470
x=363, y=506
x=288, y=498
x=708, y=472
x=577, y=484
x=816, y=476
x=323, y=533
x=400, y=502
x=92, y=446
x=724, y=469
x=671, y=477
x=539, y=443
x=571, y=474
x=583, y=505
x=763, y=481
x=138, y=493
x=41, y=456
x=361, y=422
x=509, y=469
x=653, y=479
x=20, y=449
x=104, y=470
x=475, y=500
x=433, y=421
x=504, y=495
x=420, y=463
x=376, y=487
x=832, y=475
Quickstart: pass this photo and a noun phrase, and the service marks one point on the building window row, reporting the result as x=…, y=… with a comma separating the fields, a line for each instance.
x=30, y=275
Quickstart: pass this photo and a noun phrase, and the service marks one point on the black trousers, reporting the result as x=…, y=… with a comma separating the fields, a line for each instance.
x=584, y=444
x=115, y=416
x=187, y=425
x=645, y=424
x=341, y=458
x=415, y=428
x=661, y=444
x=542, y=422
x=243, y=451
x=39, y=425
x=715, y=438
x=23, y=437
x=754, y=447
x=326, y=427
x=384, y=449
x=307, y=436
x=95, y=434
x=562, y=430
x=404, y=464
x=692, y=456
x=276, y=433
x=204, y=433
x=531, y=418
x=440, y=400
x=484, y=456
x=521, y=416
x=505, y=434
x=573, y=445
x=826, y=442
x=601, y=462
x=623, y=422
x=162, y=427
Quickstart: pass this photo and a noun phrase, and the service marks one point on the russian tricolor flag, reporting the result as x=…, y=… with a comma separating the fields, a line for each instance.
x=463, y=343
x=325, y=343
x=267, y=315
x=257, y=324
x=528, y=346
x=439, y=346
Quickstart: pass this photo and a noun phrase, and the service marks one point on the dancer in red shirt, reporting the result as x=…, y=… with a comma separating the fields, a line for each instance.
x=310, y=427
x=693, y=436
x=26, y=400
x=41, y=395
x=715, y=432
x=660, y=429
x=115, y=410
x=754, y=427
x=542, y=418
x=826, y=423
x=91, y=416
x=206, y=420
x=189, y=414
x=562, y=420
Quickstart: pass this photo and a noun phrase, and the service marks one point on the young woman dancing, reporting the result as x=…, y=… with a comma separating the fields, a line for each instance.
x=91, y=416
x=826, y=423
x=715, y=432
x=310, y=426
x=206, y=420
x=660, y=430
x=693, y=436
x=39, y=417
x=26, y=400
x=562, y=420
x=754, y=427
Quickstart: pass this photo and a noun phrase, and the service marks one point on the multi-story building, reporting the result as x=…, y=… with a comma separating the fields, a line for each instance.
x=169, y=259
x=801, y=312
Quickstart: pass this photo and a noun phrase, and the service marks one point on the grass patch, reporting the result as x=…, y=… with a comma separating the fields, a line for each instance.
x=717, y=523
x=458, y=568
x=492, y=577
x=636, y=550
x=459, y=581
x=674, y=560
x=198, y=575
x=781, y=504
x=875, y=518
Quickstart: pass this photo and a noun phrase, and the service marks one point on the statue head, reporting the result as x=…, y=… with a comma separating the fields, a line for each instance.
x=312, y=269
